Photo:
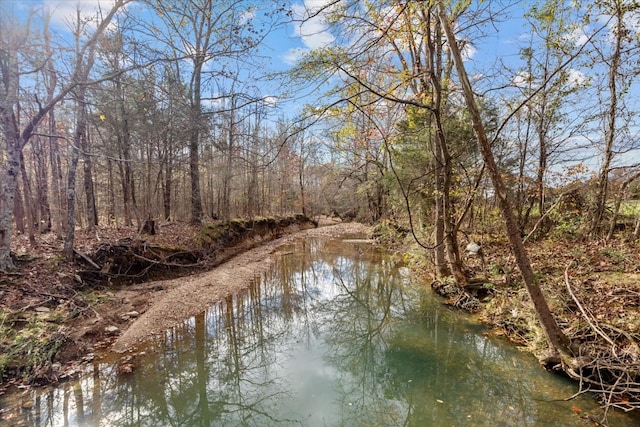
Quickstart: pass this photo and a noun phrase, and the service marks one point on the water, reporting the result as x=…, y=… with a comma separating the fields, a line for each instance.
x=333, y=335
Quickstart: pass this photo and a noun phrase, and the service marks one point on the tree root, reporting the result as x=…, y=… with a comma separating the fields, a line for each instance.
x=134, y=259
x=608, y=363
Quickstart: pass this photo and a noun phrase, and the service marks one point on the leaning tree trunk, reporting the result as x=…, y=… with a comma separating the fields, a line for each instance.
x=556, y=339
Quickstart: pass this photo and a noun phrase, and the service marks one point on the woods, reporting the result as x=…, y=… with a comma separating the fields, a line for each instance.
x=458, y=122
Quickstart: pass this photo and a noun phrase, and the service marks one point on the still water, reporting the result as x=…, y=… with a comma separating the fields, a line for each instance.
x=333, y=335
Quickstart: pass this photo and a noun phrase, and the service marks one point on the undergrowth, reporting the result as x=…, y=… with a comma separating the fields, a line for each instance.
x=26, y=350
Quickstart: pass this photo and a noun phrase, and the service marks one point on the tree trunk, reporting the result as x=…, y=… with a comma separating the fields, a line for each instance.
x=450, y=238
x=12, y=139
x=225, y=208
x=124, y=166
x=166, y=190
x=618, y=202
x=556, y=339
x=443, y=157
x=301, y=183
x=92, y=213
x=42, y=187
x=56, y=179
x=194, y=142
x=112, y=218
x=18, y=211
x=439, y=229
x=9, y=186
x=81, y=123
x=16, y=139
x=600, y=202
x=28, y=204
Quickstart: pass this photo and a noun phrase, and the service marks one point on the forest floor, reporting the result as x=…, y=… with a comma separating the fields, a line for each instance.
x=54, y=317
x=593, y=290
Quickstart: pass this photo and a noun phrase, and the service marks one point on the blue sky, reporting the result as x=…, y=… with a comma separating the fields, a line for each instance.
x=280, y=51
x=284, y=43
x=287, y=42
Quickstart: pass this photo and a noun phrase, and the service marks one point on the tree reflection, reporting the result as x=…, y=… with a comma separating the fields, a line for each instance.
x=362, y=323
x=329, y=336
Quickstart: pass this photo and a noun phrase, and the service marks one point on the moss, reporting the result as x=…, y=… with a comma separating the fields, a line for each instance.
x=227, y=233
x=209, y=233
x=94, y=298
x=24, y=351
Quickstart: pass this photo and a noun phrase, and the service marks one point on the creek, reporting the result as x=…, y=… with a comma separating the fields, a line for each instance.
x=335, y=334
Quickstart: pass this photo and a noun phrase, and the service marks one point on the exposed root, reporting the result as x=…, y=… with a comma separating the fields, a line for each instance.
x=457, y=295
x=608, y=363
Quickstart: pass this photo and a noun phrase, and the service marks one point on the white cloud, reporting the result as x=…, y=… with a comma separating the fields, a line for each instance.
x=579, y=36
x=311, y=25
x=64, y=12
x=248, y=16
x=215, y=103
x=270, y=101
x=521, y=80
x=468, y=51
x=576, y=77
x=632, y=21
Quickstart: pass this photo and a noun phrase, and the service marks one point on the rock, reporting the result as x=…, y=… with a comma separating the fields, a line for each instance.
x=130, y=315
x=42, y=309
x=111, y=329
x=473, y=248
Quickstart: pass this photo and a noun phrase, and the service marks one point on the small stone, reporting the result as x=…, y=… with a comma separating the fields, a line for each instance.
x=42, y=309
x=473, y=248
x=132, y=314
x=111, y=329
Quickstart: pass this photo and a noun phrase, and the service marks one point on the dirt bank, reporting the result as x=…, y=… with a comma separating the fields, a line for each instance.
x=170, y=302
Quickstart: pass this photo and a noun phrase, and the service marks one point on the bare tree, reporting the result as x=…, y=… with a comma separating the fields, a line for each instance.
x=203, y=31
x=16, y=44
x=616, y=55
x=84, y=61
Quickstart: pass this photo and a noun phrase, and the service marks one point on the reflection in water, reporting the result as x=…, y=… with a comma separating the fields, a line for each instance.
x=331, y=336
